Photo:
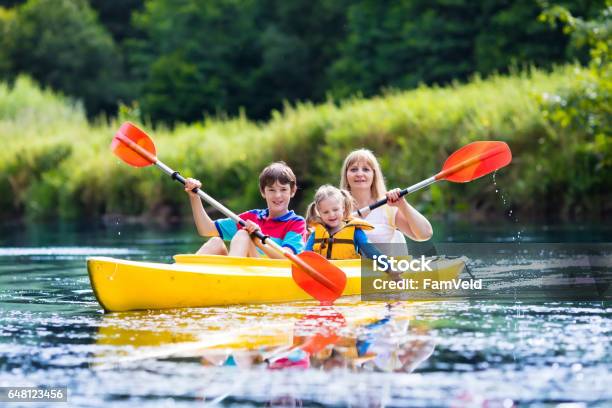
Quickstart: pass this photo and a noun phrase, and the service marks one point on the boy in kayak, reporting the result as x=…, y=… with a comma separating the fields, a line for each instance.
x=277, y=185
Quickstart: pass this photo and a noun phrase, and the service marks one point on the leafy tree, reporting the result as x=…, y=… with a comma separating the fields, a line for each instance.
x=116, y=16
x=224, y=55
x=402, y=43
x=589, y=108
x=10, y=3
x=182, y=59
x=201, y=56
x=510, y=33
x=7, y=18
x=582, y=115
x=61, y=44
x=299, y=42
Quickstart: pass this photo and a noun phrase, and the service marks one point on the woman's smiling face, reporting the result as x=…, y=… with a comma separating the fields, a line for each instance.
x=360, y=175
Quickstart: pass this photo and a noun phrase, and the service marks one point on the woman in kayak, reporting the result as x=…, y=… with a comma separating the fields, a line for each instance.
x=277, y=185
x=337, y=235
x=362, y=178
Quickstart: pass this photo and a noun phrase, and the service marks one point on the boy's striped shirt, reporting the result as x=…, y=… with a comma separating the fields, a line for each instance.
x=287, y=230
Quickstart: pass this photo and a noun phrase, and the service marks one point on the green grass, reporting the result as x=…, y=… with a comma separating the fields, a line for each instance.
x=54, y=163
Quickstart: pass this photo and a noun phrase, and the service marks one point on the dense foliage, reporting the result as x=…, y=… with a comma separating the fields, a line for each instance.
x=60, y=164
x=174, y=61
x=182, y=60
x=62, y=45
x=583, y=108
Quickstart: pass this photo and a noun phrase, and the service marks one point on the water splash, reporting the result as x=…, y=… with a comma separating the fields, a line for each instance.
x=511, y=214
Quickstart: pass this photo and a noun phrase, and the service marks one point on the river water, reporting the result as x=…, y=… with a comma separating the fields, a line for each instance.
x=495, y=352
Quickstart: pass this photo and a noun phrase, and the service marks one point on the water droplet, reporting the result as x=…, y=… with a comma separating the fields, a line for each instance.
x=576, y=367
x=505, y=203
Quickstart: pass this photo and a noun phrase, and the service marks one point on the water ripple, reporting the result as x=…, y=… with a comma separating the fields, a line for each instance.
x=67, y=251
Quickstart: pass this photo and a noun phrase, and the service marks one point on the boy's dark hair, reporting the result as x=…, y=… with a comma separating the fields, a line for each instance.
x=277, y=171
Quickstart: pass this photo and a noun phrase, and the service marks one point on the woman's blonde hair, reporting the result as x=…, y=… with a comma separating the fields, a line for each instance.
x=324, y=192
x=378, y=188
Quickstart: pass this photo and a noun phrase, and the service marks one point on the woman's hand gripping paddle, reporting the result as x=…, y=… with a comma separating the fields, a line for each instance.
x=472, y=161
x=314, y=274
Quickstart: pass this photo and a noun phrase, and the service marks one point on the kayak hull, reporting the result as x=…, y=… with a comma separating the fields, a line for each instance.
x=211, y=280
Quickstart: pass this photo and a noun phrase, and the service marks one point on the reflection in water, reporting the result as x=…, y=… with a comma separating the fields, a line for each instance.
x=388, y=343
x=353, y=336
x=313, y=335
x=378, y=337
x=393, y=344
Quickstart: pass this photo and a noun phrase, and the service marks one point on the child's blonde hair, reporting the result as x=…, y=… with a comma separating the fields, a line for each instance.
x=378, y=188
x=324, y=192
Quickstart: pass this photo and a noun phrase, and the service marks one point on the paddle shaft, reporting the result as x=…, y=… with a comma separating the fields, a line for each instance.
x=362, y=212
x=176, y=176
x=228, y=213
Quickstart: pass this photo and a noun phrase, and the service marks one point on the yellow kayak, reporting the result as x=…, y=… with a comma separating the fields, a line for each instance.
x=211, y=280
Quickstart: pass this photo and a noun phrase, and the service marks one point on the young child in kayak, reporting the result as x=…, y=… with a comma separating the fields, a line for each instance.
x=277, y=185
x=336, y=234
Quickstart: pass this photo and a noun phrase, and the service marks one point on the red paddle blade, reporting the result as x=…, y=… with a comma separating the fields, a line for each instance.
x=314, y=287
x=320, y=330
x=134, y=146
x=475, y=160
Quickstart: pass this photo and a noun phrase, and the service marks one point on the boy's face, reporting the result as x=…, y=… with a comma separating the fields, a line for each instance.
x=277, y=197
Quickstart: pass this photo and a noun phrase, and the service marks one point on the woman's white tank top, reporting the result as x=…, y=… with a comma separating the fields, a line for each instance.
x=383, y=220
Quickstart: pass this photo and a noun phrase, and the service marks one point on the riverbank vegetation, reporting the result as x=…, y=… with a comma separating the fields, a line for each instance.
x=413, y=93
x=56, y=163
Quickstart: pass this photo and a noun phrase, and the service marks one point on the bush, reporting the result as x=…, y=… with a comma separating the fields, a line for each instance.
x=63, y=165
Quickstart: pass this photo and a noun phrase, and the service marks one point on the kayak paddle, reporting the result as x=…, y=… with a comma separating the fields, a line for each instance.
x=472, y=161
x=312, y=272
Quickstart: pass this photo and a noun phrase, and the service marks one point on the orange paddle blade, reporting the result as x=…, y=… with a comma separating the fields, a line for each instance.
x=314, y=287
x=134, y=146
x=475, y=160
x=317, y=331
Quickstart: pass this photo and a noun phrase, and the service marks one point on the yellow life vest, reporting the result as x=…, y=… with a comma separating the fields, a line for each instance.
x=340, y=245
